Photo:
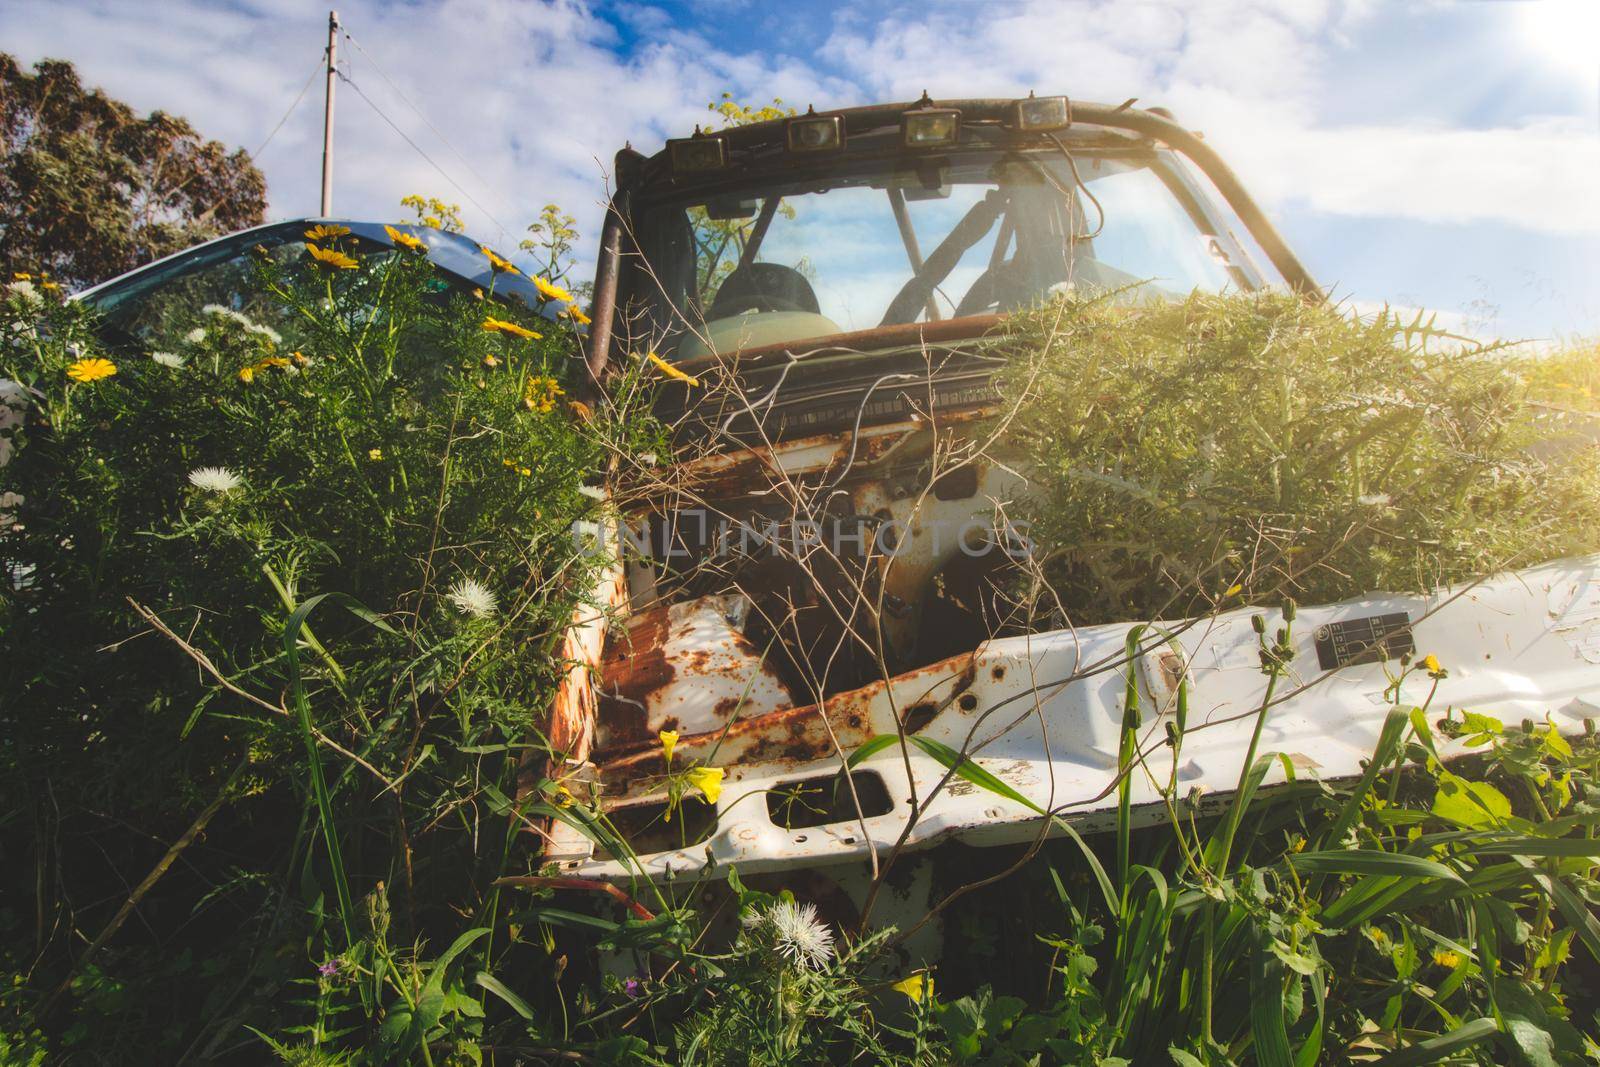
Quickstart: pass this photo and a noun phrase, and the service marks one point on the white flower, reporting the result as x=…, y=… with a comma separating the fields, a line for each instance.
x=265, y=331
x=593, y=492
x=215, y=309
x=798, y=935
x=1374, y=500
x=167, y=359
x=649, y=459
x=23, y=290
x=215, y=479
x=195, y=336
x=472, y=597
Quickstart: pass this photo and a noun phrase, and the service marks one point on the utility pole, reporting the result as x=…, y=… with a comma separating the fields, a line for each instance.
x=327, y=116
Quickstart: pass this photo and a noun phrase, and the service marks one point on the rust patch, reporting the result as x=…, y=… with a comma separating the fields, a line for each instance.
x=796, y=735
x=918, y=716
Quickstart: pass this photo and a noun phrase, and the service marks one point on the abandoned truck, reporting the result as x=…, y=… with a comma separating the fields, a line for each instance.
x=818, y=569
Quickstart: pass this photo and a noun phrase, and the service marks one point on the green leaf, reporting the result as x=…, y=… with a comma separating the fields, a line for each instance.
x=1536, y=846
x=319, y=784
x=1469, y=803
x=965, y=768
x=1267, y=1024
x=1397, y=864
x=1394, y=725
x=871, y=747
x=503, y=991
x=1435, y=1049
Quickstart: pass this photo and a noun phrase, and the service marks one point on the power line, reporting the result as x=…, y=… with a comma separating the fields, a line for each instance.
x=376, y=66
x=429, y=159
x=301, y=96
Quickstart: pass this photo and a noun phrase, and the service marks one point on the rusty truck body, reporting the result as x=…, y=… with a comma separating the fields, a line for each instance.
x=823, y=562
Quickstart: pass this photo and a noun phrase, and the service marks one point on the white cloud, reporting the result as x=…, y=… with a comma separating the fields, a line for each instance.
x=532, y=94
x=1249, y=73
x=538, y=94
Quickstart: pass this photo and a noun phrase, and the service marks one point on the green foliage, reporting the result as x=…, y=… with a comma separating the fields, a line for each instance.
x=1260, y=441
x=300, y=696
x=1369, y=923
x=178, y=539
x=88, y=189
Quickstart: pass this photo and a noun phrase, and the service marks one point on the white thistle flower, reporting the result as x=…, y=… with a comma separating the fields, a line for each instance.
x=23, y=290
x=265, y=331
x=472, y=597
x=215, y=309
x=798, y=935
x=215, y=479
x=593, y=492
x=195, y=336
x=167, y=359
x=1374, y=500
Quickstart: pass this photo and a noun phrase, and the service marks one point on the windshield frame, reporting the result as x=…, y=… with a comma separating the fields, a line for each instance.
x=757, y=149
x=678, y=301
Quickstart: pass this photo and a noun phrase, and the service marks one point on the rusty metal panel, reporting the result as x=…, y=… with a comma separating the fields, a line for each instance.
x=1043, y=713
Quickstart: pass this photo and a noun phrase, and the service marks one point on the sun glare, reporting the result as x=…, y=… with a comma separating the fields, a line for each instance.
x=1565, y=32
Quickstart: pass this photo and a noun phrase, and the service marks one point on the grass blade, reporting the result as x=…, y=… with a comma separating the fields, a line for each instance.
x=1435, y=1049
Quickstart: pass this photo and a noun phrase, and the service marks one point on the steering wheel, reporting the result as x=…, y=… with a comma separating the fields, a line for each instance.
x=983, y=294
x=753, y=301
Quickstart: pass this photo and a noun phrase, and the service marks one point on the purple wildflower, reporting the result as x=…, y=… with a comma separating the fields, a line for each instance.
x=328, y=969
x=633, y=987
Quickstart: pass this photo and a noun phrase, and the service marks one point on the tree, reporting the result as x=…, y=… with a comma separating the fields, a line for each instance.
x=88, y=189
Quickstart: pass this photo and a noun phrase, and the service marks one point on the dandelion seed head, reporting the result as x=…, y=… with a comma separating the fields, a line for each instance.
x=472, y=598
x=214, y=479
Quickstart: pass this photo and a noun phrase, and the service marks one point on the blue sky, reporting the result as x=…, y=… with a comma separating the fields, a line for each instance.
x=1424, y=153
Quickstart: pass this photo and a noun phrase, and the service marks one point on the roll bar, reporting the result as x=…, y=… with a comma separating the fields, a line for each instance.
x=1151, y=124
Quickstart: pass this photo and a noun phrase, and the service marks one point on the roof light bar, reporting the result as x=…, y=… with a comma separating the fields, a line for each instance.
x=930, y=127
x=815, y=133
x=698, y=154
x=1043, y=113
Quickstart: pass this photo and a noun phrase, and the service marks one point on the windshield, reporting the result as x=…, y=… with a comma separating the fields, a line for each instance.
x=151, y=307
x=945, y=239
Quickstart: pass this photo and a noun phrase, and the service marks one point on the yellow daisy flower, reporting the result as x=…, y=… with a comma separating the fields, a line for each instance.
x=91, y=370
x=1430, y=663
x=374, y=454
x=574, y=313
x=497, y=262
x=403, y=239
x=323, y=231
x=670, y=371
x=1446, y=959
x=331, y=258
x=551, y=291
x=494, y=325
